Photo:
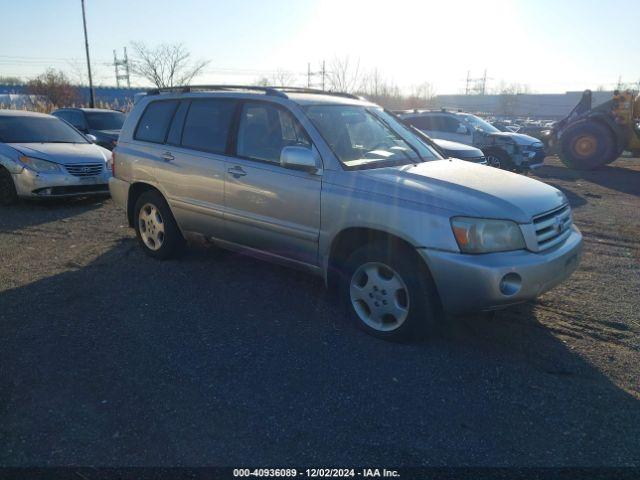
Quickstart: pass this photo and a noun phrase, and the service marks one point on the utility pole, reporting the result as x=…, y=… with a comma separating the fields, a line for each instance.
x=308, y=75
x=119, y=65
x=484, y=82
x=323, y=75
x=466, y=90
x=92, y=102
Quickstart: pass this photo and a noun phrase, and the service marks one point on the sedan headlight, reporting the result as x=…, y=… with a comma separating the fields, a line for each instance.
x=480, y=235
x=41, y=166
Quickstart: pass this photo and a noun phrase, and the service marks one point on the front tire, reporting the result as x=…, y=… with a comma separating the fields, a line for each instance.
x=156, y=229
x=499, y=159
x=8, y=193
x=389, y=294
x=588, y=145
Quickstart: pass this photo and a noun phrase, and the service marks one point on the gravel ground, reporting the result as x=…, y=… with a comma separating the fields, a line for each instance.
x=110, y=358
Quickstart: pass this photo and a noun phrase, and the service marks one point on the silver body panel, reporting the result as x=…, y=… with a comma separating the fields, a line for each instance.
x=293, y=217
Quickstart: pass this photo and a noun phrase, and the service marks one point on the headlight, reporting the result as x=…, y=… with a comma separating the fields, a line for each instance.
x=479, y=235
x=40, y=165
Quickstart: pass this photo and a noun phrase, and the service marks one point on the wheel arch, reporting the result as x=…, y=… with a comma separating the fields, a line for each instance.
x=352, y=238
x=137, y=189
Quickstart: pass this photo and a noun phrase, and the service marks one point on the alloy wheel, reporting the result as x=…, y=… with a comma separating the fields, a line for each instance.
x=379, y=296
x=151, y=226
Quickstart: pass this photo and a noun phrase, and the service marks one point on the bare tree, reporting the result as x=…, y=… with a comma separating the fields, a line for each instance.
x=55, y=87
x=262, y=82
x=283, y=78
x=165, y=65
x=344, y=75
x=421, y=96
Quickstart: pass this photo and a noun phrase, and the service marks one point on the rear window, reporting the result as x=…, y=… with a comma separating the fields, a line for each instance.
x=207, y=125
x=155, y=121
x=105, y=120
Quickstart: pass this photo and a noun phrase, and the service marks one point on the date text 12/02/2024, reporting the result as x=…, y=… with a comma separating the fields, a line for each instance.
x=316, y=472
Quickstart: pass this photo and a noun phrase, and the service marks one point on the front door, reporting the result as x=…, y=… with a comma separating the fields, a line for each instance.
x=268, y=207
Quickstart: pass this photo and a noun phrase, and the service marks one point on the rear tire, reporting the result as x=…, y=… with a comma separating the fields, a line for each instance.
x=588, y=145
x=8, y=193
x=155, y=226
x=388, y=293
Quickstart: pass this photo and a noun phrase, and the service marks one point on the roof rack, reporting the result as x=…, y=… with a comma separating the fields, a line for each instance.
x=278, y=91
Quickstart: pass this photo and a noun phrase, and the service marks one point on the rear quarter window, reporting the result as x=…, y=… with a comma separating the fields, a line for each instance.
x=155, y=120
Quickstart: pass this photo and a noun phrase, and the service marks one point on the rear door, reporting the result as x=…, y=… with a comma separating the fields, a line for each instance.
x=192, y=163
x=268, y=207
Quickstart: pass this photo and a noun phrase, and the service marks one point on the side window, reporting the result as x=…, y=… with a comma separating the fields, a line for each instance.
x=265, y=130
x=175, y=131
x=422, y=123
x=450, y=124
x=207, y=125
x=155, y=120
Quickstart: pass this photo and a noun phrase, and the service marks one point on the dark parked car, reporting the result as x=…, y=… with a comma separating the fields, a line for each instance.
x=103, y=124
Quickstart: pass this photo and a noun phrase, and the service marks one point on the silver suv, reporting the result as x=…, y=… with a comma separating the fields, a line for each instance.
x=333, y=184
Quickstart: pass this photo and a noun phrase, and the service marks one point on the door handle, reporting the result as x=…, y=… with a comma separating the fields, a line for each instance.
x=167, y=156
x=237, y=171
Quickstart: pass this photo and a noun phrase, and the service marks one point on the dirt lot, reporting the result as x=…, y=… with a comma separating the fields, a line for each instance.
x=110, y=358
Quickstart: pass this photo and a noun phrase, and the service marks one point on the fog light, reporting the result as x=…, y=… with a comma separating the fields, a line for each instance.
x=510, y=284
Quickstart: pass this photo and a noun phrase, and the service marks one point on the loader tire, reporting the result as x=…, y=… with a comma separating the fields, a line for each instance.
x=588, y=145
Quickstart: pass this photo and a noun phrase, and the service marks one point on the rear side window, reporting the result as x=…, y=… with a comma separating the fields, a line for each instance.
x=155, y=121
x=207, y=125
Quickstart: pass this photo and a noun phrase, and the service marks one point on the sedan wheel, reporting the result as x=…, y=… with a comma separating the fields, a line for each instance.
x=493, y=161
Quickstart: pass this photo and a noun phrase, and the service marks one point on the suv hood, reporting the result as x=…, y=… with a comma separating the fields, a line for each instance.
x=464, y=188
x=63, y=153
x=518, y=138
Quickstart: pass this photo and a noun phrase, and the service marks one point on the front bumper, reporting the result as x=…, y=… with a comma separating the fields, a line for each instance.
x=533, y=158
x=491, y=281
x=30, y=184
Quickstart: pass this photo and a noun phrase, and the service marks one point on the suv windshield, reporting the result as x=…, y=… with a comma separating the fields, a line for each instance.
x=364, y=137
x=105, y=120
x=26, y=129
x=476, y=122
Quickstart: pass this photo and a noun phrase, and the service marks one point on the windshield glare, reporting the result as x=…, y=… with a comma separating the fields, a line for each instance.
x=105, y=120
x=26, y=129
x=362, y=136
x=480, y=124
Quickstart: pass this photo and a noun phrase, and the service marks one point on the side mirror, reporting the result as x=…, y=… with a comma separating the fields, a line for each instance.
x=91, y=138
x=298, y=158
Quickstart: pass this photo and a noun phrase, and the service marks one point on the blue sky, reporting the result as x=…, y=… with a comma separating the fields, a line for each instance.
x=551, y=46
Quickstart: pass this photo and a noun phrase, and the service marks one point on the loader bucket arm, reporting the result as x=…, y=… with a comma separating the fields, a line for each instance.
x=583, y=107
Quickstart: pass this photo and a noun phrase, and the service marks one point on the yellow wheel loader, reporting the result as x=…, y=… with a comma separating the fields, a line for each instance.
x=593, y=136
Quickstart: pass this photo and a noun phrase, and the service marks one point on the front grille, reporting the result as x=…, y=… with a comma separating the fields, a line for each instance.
x=553, y=227
x=85, y=169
